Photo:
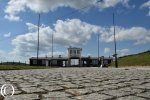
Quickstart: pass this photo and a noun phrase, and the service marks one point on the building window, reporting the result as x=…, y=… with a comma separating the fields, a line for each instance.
x=34, y=61
x=78, y=52
x=43, y=62
x=95, y=62
x=74, y=52
x=54, y=62
x=70, y=51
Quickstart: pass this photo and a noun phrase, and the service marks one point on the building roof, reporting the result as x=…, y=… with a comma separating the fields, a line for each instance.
x=65, y=58
x=49, y=58
x=74, y=48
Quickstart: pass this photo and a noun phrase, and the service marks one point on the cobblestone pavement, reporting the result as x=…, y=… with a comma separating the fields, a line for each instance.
x=78, y=84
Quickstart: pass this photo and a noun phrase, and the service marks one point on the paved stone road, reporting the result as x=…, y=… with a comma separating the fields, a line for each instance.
x=78, y=84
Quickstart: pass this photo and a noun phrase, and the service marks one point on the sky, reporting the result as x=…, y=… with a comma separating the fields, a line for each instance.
x=75, y=23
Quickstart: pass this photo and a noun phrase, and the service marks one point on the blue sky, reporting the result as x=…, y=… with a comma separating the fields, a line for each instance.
x=73, y=26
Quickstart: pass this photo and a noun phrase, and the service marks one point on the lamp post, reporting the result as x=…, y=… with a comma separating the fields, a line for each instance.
x=115, y=55
x=52, y=44
x=52, y=50
x=98, y=50
x=38, y=40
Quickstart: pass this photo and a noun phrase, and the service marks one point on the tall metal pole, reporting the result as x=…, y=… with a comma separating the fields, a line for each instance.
x=98, y=49
x=116, y=61
x=52, y=44
x=38, y=40
x=52, y=51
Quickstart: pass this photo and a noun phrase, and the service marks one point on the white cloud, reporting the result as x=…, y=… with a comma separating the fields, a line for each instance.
x=107, y=50
x=66, y=33
x=3, y=55
x=12, y=18
x=7, y=34
x=6, y=56
x=123, y=52
x=120, y=52
x=14, y=7
x=55, y=54
x=111, y=3
x=10, y=57
x=147, y=5
x=138, y=34
x=73, y=32
x=26, y=44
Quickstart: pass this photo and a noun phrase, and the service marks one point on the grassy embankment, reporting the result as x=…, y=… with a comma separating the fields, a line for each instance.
x=20, y=67
x=140, y=59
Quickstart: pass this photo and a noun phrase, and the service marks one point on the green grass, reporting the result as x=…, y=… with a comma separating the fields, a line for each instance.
x=141, y=59
x=20, y=67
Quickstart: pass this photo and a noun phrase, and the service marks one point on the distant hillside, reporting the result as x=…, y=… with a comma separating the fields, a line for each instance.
x=140, y=59
x=12, y=63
